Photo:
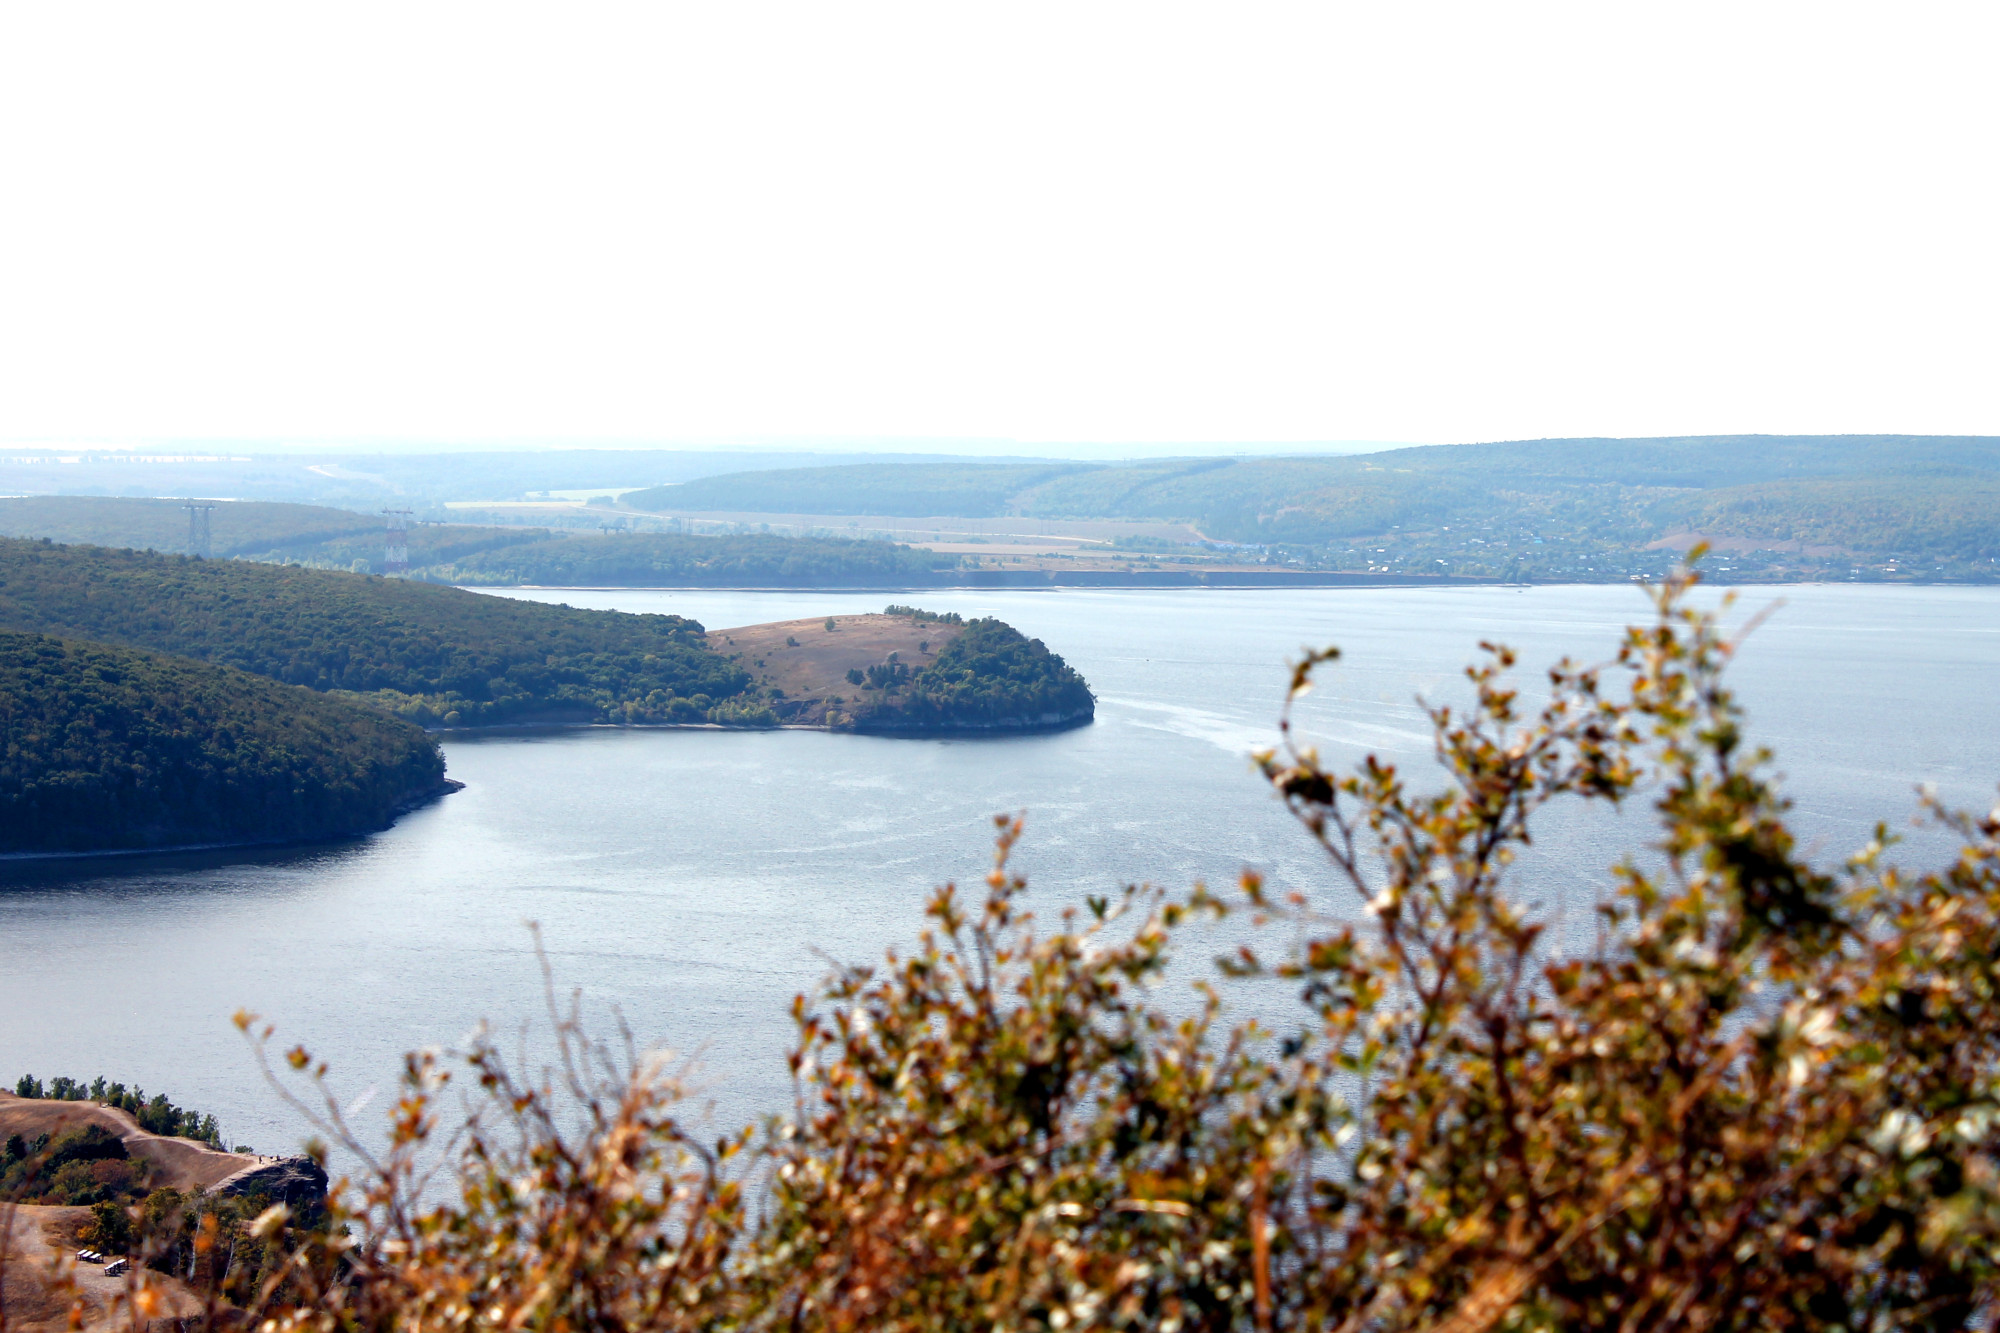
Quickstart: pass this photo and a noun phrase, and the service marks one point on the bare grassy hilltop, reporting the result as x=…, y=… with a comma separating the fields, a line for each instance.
x=906, y=671
x=809, y=662
x=171, y=1163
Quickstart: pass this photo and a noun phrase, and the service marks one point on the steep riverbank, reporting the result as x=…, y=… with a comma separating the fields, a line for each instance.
x=106, y=749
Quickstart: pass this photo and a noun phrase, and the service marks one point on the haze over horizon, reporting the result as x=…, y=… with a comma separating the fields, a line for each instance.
x=835, y=449
x=830, y=445
x=1092, y=226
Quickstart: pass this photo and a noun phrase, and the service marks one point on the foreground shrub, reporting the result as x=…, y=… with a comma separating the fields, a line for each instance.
x=1763, y=1098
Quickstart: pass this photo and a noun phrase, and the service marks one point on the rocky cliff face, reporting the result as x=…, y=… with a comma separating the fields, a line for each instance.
x=297, y=1182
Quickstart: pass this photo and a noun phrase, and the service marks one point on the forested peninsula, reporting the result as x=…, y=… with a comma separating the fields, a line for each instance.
x=445, y=657
x=433, y=655
x=106, y=748
x=910, y=671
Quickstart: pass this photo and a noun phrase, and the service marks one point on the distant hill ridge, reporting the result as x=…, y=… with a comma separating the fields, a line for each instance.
x=249, y=527
x=1780, y=506
x=1178, y=488
x=1532, y=508
x=472, y=554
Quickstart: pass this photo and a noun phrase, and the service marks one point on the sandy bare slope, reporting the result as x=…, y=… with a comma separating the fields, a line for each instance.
x=176, y=1163
x=41, y=1282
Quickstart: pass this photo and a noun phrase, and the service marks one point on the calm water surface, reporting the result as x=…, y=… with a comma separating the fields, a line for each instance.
x=697, y=880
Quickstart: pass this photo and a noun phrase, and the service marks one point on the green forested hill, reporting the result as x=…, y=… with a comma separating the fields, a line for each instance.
x=433, y=654
x=625, y=560
x=436, y=654
x=108, y=748
x=989, y=676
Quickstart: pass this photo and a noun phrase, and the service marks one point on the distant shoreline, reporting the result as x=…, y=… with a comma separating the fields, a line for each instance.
x=899, y=733
x=1035, y=579
x=1175, y=582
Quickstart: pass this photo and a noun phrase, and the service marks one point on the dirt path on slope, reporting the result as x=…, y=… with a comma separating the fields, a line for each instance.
x=181, y=1164
x=41, y=1281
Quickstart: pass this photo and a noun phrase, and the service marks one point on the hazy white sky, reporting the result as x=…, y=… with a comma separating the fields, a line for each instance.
x=1043, y=222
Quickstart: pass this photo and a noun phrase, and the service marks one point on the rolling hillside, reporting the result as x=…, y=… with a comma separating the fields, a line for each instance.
x=1540, y=508
x=471, y=554
x=244, y=528
x=910, y=490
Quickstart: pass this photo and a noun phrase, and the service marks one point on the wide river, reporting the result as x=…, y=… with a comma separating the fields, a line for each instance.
x=696, y=880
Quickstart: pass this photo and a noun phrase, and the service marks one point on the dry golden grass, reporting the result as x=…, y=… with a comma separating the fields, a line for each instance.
x=815, y=670
x=175, y=1163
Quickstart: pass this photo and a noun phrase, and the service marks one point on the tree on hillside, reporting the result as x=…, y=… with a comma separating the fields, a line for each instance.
x=1764, y=1097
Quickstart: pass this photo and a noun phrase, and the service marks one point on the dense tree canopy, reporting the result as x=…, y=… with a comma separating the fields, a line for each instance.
x=672, y=560
x=431, y=653
x=82, y=1165
x=105, y=748
x=989, y=675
